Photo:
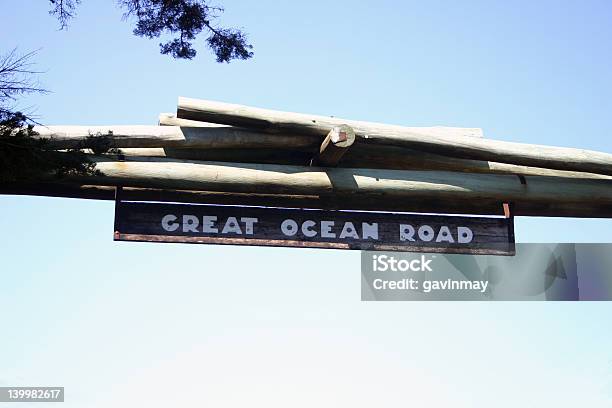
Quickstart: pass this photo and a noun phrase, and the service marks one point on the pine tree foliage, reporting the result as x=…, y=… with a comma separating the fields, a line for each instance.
x=26, y=158
x=182, y=19
x=22, y=156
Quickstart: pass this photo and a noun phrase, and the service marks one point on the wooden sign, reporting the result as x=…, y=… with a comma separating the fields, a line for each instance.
x=239, y=225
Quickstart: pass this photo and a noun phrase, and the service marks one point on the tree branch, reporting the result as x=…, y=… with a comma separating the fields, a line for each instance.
x=63, y=10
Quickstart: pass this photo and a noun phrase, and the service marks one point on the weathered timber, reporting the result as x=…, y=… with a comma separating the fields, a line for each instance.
x=392, y=157
x=277, y=121
x=446, y=143
x=335, y=145
x=483, y=206
x=66, y=137
x=360, y=156
x=240, y=225
x=388, y=184
x=559, y=158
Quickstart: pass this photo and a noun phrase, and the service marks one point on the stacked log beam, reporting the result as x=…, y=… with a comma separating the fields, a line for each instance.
x=231, y=154
x=431, y=141
x=225, y=143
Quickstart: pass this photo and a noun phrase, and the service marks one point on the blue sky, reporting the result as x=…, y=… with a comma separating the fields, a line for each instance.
x=194, y=325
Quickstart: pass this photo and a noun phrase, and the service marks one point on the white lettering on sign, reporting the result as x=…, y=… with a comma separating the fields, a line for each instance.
x=307, y=229
x=349, y=231
x=465, y=235
x=289, y=228
x=190, y=223
x=169, y=223
x=209, y=225
x=327, y=229
x=231, y=225
x=444, y=235
x=370, y=230
x=248, y=224
x=346, y=230
x=426, y=233
x=407, y=232
x=313, y=228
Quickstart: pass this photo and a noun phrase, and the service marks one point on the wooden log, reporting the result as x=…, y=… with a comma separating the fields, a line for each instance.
x=335, y=145
x=337, y=201
x=275, y=179
x=360, y=184
x=443, y=142
x=66, y=137
x=281, y=155
x=559, y=158
x=397, y=158
x=360, y=156
x=277, y=121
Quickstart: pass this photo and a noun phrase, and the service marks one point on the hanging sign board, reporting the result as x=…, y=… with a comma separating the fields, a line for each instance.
x=240, y=225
